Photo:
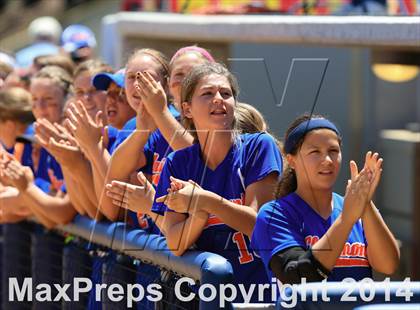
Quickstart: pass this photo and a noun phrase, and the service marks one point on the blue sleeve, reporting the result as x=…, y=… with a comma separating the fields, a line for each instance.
x=148, y=168
x=175, y=113
x=263, y=157
x=123, y=134
x=43, y=184
x=11, y=150
x=64, y=188
x=275, y=230
x=161, y=189
x=112, y=136
x=27, y=156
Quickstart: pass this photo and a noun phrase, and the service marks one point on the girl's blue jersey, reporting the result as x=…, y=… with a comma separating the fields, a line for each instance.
x=251, y=158
x=112, y=136
x=291, y=222
x=123, y=134
x=46, y=162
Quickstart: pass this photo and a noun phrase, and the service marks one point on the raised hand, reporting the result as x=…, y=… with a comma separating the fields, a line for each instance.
x=65, y=153
x=138, y=199
x=45, y=131
x=5, y=159
x=374, y=163
x=357, y=195
x=70, y=140
x=10, y=202
x=152, y=94
x=144, y=121
x=86, y=131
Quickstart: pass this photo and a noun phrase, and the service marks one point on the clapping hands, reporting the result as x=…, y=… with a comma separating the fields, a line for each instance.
x=186, y=197
x=138, y=199
x=362, y=186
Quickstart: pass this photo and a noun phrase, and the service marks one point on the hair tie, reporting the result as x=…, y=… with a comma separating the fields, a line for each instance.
x=303, y=128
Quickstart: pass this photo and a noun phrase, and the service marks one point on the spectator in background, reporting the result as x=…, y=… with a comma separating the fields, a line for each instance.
x=364, y=7
x=19, y=77
x=7, y=64
x=15, y=117
x=61, y=61
x=40, y=185
x=92, y=98
x=45, y=32
x=79, y=41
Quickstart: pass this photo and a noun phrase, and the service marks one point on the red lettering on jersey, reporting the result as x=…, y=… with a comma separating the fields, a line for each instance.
x=157, y=168
x=354, y=249
x=351, y=262
x=311, y=240
x=214, y=220
x=143, y=222
x=244, y=255
x=352, y=255
x=239, y=201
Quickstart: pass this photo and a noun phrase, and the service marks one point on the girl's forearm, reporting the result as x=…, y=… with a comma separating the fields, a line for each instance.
x=173, y=132
x=128, y=157
x=99, y=158
x=56, y=210
x=383, y=251
x=83, y=177
x=76, y=196
x=329, y=247
x=182, y=235
x=239, y=217
x=125, y=160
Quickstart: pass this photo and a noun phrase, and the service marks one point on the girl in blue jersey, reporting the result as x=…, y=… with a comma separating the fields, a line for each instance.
x=128, y=157
x=148, y=93
x=310, y=231
x=62, y=145
x=217, y=185
x=15, y=118
x=37, y=187
x=91, y=134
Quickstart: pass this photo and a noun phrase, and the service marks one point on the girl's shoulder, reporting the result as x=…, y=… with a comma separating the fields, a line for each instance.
x=250, y=143
x=259, y=137
x=285, y=207
x=130, y=125
x=188, y=154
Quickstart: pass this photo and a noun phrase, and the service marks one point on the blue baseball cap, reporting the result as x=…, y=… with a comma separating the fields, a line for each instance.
x=101, y=81
x=77, y=36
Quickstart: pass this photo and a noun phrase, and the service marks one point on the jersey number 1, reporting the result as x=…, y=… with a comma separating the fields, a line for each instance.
x=245, y=256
